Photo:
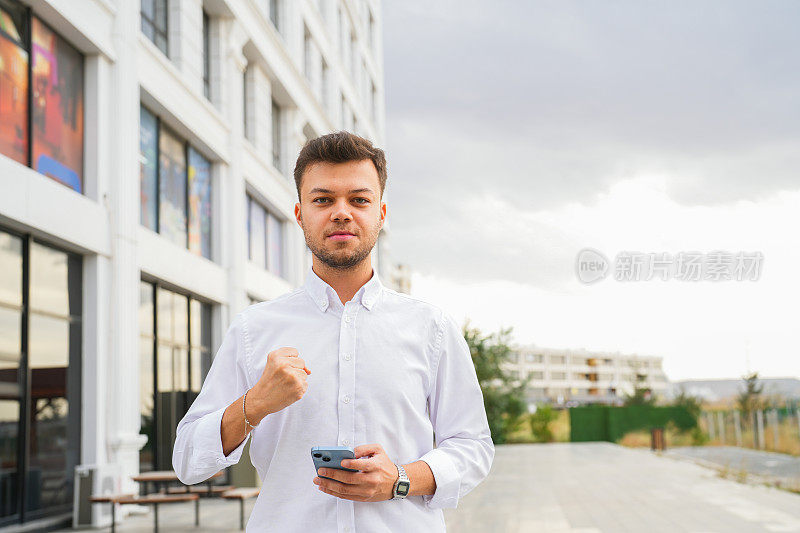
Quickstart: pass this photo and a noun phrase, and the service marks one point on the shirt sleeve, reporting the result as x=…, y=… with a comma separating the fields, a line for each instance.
x=464, y=450
x=197, y=454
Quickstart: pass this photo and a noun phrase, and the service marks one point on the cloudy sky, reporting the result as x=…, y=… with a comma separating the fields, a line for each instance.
x=520, y=132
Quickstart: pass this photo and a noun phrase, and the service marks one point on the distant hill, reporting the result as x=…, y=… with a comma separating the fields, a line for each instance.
x=722, y=389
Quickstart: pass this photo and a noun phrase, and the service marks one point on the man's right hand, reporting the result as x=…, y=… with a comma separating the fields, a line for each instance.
x=282, y=383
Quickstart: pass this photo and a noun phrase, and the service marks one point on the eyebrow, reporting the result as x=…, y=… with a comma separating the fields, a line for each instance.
x=352, y=191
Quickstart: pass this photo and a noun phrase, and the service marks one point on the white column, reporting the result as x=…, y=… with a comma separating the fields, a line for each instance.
x=122, y=401
x=760, y=424
x=232, y=197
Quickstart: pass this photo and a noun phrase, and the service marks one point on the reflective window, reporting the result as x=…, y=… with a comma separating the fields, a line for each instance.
x=276, y=136
x=43, y=87
x=148, y=169
x=175, y=187
x=199, y=204
x=172, y=188
x=57, y=113
x=206, y=56
x=154, y=22
x=182, y=337
x=275, y=245
x=257, y=236
x=13, y=84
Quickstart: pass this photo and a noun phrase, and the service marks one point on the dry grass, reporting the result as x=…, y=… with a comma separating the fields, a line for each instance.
x=788, y=437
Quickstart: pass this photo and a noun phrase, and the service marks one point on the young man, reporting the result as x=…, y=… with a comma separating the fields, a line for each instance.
x=342, y=361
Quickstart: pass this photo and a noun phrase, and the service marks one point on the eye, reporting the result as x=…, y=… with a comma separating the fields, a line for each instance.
x=320, y=198
x=364, y=202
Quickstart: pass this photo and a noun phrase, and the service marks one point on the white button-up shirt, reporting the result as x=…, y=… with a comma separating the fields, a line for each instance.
x=386, y=368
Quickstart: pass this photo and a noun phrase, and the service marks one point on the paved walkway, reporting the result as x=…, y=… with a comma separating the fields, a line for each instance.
x=774, y=465
x=605, y=488
x=574, y=488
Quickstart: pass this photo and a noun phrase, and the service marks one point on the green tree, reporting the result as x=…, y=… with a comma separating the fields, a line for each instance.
x=503, y=394
x=749, y=400
x=540, y=423
x=693, y=404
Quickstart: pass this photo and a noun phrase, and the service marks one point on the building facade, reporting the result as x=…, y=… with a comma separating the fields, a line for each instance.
x=582, y=377
x=146, y=197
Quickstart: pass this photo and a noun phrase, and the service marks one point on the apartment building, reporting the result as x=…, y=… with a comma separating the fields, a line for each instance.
x=146, y=197
x=581, y=377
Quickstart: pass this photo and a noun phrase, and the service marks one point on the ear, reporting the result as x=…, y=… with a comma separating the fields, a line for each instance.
x=298, y=215
x=383, y=213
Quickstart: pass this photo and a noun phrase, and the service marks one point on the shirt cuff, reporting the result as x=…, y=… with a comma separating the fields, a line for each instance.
x=210, y=432
x=448, y=480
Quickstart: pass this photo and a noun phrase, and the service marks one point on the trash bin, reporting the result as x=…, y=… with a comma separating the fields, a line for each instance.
x=657, y=440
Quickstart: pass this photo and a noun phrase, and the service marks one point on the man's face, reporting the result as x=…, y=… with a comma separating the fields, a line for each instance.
x=341, y=198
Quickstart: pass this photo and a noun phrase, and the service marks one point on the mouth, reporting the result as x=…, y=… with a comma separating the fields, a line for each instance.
x=339, y=236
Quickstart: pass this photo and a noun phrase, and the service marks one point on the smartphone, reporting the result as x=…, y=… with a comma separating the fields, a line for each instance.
x=331, y=457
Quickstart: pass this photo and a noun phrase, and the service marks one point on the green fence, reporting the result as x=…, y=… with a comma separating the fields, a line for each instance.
x=607, y=423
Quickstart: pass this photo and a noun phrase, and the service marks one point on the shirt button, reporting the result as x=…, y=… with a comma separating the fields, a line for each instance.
x=346, y=399
x=346, y=318
x=345, y=442
x=347, y=357
x=346, y=529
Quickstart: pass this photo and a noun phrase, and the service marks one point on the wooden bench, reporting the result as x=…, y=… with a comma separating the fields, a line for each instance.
x=210, y=490
x=156, y=499
x=241, y=494
x=112, y=499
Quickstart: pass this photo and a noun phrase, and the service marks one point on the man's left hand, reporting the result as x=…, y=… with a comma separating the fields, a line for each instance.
x=374, y=482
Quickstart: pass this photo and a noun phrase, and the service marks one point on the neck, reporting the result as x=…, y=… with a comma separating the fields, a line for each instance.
x=345, y=282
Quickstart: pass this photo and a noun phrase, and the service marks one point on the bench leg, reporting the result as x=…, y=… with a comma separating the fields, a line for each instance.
x=155, y=512
x=197, y=512
x=241, y=514
x=113, y=517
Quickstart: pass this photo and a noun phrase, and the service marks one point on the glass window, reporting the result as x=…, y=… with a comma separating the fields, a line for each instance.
x=172, y=188
x=206, y=56
x=154, y=22
x=183, y=357
x=257, y=233
x=13, y=84
x=54, y=343
x=148, y=169
x=275, y=242
x=49, y=281
x=274, y=13
x=199, y=204
x=57, y=113
x=276, y=136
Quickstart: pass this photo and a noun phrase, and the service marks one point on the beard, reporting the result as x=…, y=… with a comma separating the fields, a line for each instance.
x=342, y=258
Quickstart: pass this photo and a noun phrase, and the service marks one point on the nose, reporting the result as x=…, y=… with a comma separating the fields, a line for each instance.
x=341, y=211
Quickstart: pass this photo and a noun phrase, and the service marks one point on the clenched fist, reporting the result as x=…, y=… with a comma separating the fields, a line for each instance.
x=282, y=383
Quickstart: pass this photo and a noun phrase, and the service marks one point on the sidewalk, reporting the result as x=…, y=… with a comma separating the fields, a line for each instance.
x=605, y=488
x=775, y=466
x=573, y=488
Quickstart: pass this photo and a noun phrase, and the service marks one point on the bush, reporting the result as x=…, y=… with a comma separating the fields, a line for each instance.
x=540, y=423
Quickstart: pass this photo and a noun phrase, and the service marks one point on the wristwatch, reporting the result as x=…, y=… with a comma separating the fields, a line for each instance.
x=402, y=486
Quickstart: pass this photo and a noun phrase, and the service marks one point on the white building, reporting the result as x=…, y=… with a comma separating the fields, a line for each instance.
x=146, y=197
x=561, y=376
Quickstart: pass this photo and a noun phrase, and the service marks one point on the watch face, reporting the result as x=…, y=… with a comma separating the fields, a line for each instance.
x=402, y=488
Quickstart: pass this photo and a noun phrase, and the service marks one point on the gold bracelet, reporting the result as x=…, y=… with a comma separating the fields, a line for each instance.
x=244, y=412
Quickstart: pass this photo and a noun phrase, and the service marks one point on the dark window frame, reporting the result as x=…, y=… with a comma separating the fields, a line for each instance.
x=205, y=363
x=206, y=55
x=26, y=17
x=24, y=381
x=186, y=145
x=157, y=31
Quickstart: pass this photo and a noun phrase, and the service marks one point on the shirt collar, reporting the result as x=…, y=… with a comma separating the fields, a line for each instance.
x=322, y=293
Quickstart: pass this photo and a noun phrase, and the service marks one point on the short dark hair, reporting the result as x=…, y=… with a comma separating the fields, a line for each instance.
x=339, y=147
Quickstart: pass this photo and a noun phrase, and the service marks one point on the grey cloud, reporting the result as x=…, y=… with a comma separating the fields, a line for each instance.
x=544, y=103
